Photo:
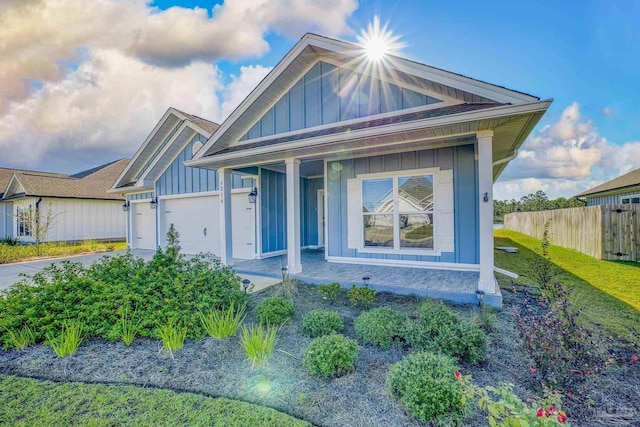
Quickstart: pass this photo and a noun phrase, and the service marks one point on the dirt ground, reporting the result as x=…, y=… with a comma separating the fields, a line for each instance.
x=359, y=399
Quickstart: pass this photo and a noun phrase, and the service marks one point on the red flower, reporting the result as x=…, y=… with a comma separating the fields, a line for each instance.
x=540, y=413
x=533, y=370
x=458, y=375
x=552, y=409
x=634, y=359
x=562, y=417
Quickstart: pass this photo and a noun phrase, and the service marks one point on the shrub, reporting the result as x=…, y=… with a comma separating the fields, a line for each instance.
x=172, y=336
x=426, y=385
x=330, y=291
x=506, y=409
x=331, y=355
x=223, y=323
x=565, y=352
x=439, y=330
x=361, y=297
x=381, y=326
x=22, y=338
x=486, y=319
x=259, y=342
x=68, y=340
x=9, y=241
x=322, y=322
x=157, y=290
x=275, y=311
x=542, y=269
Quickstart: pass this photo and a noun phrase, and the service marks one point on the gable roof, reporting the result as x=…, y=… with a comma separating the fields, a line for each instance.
x=89, y=184
x=627, y=181
x=313, y=48
x=166, y=139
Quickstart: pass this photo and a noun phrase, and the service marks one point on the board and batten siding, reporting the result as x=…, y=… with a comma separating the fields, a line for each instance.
x=81, y=219
x=611, y=199
x=6, y=220
x=327, y=94
x=460, y=159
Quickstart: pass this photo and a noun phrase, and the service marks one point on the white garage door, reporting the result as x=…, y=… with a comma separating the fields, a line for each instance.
x=143, y=226
x=197, y=220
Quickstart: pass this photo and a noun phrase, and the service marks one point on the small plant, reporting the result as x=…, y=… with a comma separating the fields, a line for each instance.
x=330, y=291
x=506, y=409
x=275, y=311
x=541, y=267
x=331, y=355
x=172, y=336
x=288, y=287
x=128, y=328
x=322, y=322
x=361, y=297
x=439, y=330
x=486, y=319
x=173, y=243
x=426, y=386
x=9, y=241
x=69, y=339
x=381, y=326
x=258, y=343
x=21, y=339
x=223, y=323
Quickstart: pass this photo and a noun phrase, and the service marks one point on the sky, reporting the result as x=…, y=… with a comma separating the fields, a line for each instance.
x=84, y=83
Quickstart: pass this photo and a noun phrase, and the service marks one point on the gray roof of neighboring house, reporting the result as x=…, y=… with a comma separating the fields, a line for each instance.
x=628, y=180
x=204, y=124
x=400, y=118
x=89, y=184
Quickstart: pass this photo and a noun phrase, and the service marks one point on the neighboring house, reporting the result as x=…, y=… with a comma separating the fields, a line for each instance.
x=622, y=190
x=160, y=191
x=80, y=205
x=331, y=140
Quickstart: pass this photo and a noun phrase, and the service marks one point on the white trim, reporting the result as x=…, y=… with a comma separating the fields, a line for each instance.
x=629, y=196
x=272, y=254
x=326, y=208
x=141, y=200
x=505, y=272
x=189, y=195
x=429, y=265
x=313, y=177
x=350, y=122
x=429, y=123
x=320, y=195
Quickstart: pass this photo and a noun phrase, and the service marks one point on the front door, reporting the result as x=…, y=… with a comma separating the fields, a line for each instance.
x=321, y=218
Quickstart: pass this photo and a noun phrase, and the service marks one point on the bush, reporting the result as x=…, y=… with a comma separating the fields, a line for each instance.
x=565, y=352
x=21, y=339
x=330, y=291
x=322, y=322
x=68, y=340
x=361, y=297
x=158, y=290
x=128, y=328
x=487, y=319
x=172, y=336
x=331, y=355
x=223, y=323
x=381, y=326
x=426, y=385
x=275, y=311
x=439, y=330
x=259, y=342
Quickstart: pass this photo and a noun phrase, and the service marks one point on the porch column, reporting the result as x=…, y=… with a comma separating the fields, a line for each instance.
x=226, y=242
x=487, y=281
x=293, y=216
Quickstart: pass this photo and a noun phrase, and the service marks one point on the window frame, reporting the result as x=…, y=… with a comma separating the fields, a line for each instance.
x=23, y=221
x=629, y=197
x=397, y=249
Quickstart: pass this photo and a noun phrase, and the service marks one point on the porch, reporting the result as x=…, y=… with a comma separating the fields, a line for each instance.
x=456, y=286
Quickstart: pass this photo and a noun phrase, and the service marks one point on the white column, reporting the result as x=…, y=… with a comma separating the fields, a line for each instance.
x=487, y=281
x=293, y=216
x=226, y=242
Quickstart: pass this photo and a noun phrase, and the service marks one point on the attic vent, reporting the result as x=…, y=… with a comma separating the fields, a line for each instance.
x=196, y=147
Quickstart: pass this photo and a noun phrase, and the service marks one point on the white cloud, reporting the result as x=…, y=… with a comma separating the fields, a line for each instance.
x=607, y=111
x=41, y=37
x=566, y=158
x=240, y=86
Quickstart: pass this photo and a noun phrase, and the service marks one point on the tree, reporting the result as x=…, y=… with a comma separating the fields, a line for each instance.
x=38, y=223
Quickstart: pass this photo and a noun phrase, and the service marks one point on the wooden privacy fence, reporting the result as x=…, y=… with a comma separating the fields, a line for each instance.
x=610, y=232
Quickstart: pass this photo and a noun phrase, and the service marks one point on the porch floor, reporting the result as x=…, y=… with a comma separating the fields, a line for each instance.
x=455, y=286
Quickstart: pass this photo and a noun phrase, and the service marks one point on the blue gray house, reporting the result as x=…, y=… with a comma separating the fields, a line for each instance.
x=381, y=163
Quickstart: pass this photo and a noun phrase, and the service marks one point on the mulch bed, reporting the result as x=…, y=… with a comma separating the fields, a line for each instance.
x=220, y=368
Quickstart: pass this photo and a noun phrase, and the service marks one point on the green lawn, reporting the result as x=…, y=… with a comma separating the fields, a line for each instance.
x=607, y=291
x=25, y=252
x=27, y=402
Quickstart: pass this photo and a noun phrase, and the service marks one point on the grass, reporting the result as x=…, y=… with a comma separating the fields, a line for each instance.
x=172, y=336
x=68, y=341
x=258, y=343
x=17, y=253
x=27, y=402
x=607, y=291
x=223, y=323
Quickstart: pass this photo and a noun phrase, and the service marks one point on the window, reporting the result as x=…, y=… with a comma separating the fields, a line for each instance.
x=24, y=222
x=398, y=212
x=633, y=199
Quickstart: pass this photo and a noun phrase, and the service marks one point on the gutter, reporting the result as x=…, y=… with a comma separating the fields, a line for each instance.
x=506, y=159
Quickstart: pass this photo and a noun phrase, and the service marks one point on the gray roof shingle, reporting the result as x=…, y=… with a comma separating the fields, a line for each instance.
x=628, y=180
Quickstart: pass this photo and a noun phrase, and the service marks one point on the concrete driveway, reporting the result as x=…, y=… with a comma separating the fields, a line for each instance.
x=10, y=273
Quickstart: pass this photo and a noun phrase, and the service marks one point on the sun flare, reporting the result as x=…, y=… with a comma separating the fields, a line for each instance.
x=378, y=41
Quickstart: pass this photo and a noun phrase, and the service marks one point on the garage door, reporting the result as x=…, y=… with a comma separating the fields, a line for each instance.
x=143, y=227
x=197, y=220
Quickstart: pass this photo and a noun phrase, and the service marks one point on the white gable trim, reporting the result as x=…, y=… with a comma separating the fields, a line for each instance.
x=13, y=181
x=457, y=81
